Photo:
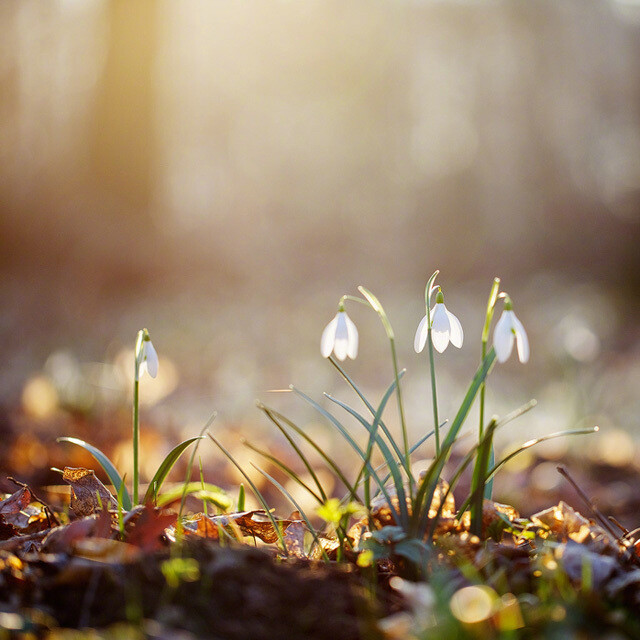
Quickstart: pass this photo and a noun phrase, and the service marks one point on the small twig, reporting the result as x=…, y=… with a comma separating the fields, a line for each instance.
x=631, y=534
x=592, y=507
x=625, y=531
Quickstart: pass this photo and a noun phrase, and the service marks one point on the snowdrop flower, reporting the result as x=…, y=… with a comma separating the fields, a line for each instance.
x=340, y=336
x=146, y=356
x=508, y=328
x=445, y=328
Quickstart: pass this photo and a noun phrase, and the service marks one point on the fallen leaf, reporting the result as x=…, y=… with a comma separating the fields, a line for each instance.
x=567, y=524
x=88, y=494
x=294, y=539
x=149, y=527
x=250, y=523
x=574, y=557
x=16, y=502
x=107, y=551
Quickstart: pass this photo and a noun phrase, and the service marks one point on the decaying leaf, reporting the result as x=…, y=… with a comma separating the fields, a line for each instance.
x=576, y=558
x=62, y=539
x=22, y=514
x=16, y=502
x=384, y=515
x=494, y=514
x=106, y=551
x=250, y=523
x=88, y=494
x=294, y=539
x=567, y=524
x=147, y=531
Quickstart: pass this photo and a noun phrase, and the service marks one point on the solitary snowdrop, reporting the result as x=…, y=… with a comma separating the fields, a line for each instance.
x=340, y=336
x=445, y=328
x=146, y=356
x=508, y=328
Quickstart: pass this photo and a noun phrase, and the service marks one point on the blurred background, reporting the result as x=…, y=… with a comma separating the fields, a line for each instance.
x=222, y=173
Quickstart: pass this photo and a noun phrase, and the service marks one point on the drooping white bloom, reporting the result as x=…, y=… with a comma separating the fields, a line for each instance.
x=146, y=356
x=508, y=328
x=445, y=328
x=340, y=336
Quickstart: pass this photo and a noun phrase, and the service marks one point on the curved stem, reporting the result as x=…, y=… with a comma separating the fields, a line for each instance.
x=377, y=307
x=434, y=396
x=491, y=303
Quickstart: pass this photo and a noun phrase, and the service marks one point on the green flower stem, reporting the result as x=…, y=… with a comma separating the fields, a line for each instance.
x=136, y=436
x=377, y=307
x=136, y=412
x=482, y=464
x=493, y=296
x=434, y=395
x=351, y=299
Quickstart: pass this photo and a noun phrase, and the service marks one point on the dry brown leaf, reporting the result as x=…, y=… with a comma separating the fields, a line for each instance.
x=294, y=539
x=250, y=523
x=567, y=524
x=85, y=490
x=60, y=539
x=384, y=515
x=149, y=527
x=107, y=551
x=16, y=502
x=574, y=557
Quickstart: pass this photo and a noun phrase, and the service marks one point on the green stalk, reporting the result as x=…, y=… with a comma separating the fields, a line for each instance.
x=136, y=413
x=491, y=303
x=377, y=307
x=434, y=395
x=493, y=296
x=136, y=436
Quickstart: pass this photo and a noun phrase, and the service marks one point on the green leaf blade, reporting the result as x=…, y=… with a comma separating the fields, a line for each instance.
x=165, y=467
x=108, y=467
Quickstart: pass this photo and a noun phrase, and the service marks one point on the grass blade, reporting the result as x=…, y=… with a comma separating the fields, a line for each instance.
x=256, y=491
x=369, y=406
x=165, y=467
x=213, y=494
x=276, y=417
x=285, y=469
x=384, y=449
x=291, y=499
x=108, y=467
x=428, y=485
x=403, y=514
x=531, y=443
x=377, y=416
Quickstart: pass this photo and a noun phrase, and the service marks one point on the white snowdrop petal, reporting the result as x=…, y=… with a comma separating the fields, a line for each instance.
x=328, y=338
x=142, y=369
x=503, y=337
x=440, y=327
x=440, y=340
x=421, y=335
x=341, y=348
x=352, y=338
x=456, y=334
x=151, y=359
x=522, y=342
